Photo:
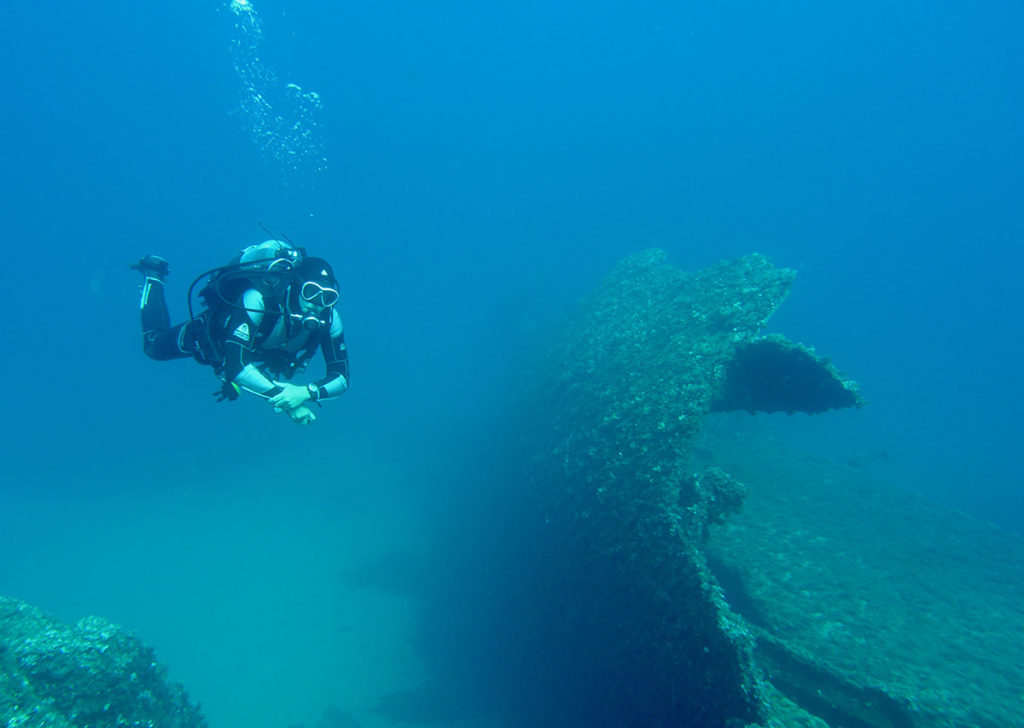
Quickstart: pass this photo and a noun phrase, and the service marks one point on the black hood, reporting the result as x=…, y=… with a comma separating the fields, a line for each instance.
x=319, y=271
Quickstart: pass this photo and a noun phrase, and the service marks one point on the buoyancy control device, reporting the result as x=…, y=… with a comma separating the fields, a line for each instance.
x=268, y=267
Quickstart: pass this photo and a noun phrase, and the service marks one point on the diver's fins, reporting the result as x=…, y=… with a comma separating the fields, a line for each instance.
x=152, y=266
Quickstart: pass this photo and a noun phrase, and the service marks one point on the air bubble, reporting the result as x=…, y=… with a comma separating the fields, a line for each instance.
x=283, y=119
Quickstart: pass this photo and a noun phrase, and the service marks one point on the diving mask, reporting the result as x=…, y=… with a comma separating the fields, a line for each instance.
x=318, y=295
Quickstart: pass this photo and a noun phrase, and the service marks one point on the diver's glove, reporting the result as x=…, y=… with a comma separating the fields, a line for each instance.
x=229, y=392
x=290, y=396
x=301, y=415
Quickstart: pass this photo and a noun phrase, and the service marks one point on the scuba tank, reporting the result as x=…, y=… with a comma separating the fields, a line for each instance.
x=268, y=267
x=271, y=252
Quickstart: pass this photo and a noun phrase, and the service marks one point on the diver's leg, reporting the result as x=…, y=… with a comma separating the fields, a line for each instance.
x=153, y=305
x=159, y=340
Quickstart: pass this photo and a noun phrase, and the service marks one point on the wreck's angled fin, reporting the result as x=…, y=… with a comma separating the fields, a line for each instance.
x=772, y=374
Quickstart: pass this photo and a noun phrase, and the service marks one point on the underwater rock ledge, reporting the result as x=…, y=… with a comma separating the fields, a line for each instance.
x=93, y=674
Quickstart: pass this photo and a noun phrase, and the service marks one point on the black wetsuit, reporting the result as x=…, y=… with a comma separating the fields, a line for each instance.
x=246, y=347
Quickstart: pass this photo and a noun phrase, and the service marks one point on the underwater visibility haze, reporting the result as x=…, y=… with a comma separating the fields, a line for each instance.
x=472, y=173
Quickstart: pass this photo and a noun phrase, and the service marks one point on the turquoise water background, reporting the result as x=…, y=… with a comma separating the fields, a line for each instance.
x=485, y=166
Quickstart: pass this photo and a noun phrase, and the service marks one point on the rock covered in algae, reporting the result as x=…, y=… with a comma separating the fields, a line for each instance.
x=93, y=673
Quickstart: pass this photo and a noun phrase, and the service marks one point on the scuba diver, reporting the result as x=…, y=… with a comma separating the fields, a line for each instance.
x=267, y=312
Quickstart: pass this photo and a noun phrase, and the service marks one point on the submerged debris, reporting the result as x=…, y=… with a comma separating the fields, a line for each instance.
x=593, y=571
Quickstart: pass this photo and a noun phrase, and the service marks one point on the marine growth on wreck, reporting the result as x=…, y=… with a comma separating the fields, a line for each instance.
x=595, y=571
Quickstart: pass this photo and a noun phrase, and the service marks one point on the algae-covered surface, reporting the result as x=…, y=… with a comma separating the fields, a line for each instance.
x=590, y=571
x=845, y=584
x=872, y=604
x=621, y=398
x=93, y=674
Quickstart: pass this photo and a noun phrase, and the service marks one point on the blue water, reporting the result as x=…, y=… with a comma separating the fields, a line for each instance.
x=485, y=166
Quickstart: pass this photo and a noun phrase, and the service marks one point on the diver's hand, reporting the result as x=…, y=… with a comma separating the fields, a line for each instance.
x=301, y=415
x=290, y=396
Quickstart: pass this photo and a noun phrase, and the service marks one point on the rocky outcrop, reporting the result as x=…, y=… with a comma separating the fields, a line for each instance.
x=91, y=674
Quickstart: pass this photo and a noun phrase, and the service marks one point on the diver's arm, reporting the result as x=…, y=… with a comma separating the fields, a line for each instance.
x=252, y=379
x=335, y=382
x=238, y=346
